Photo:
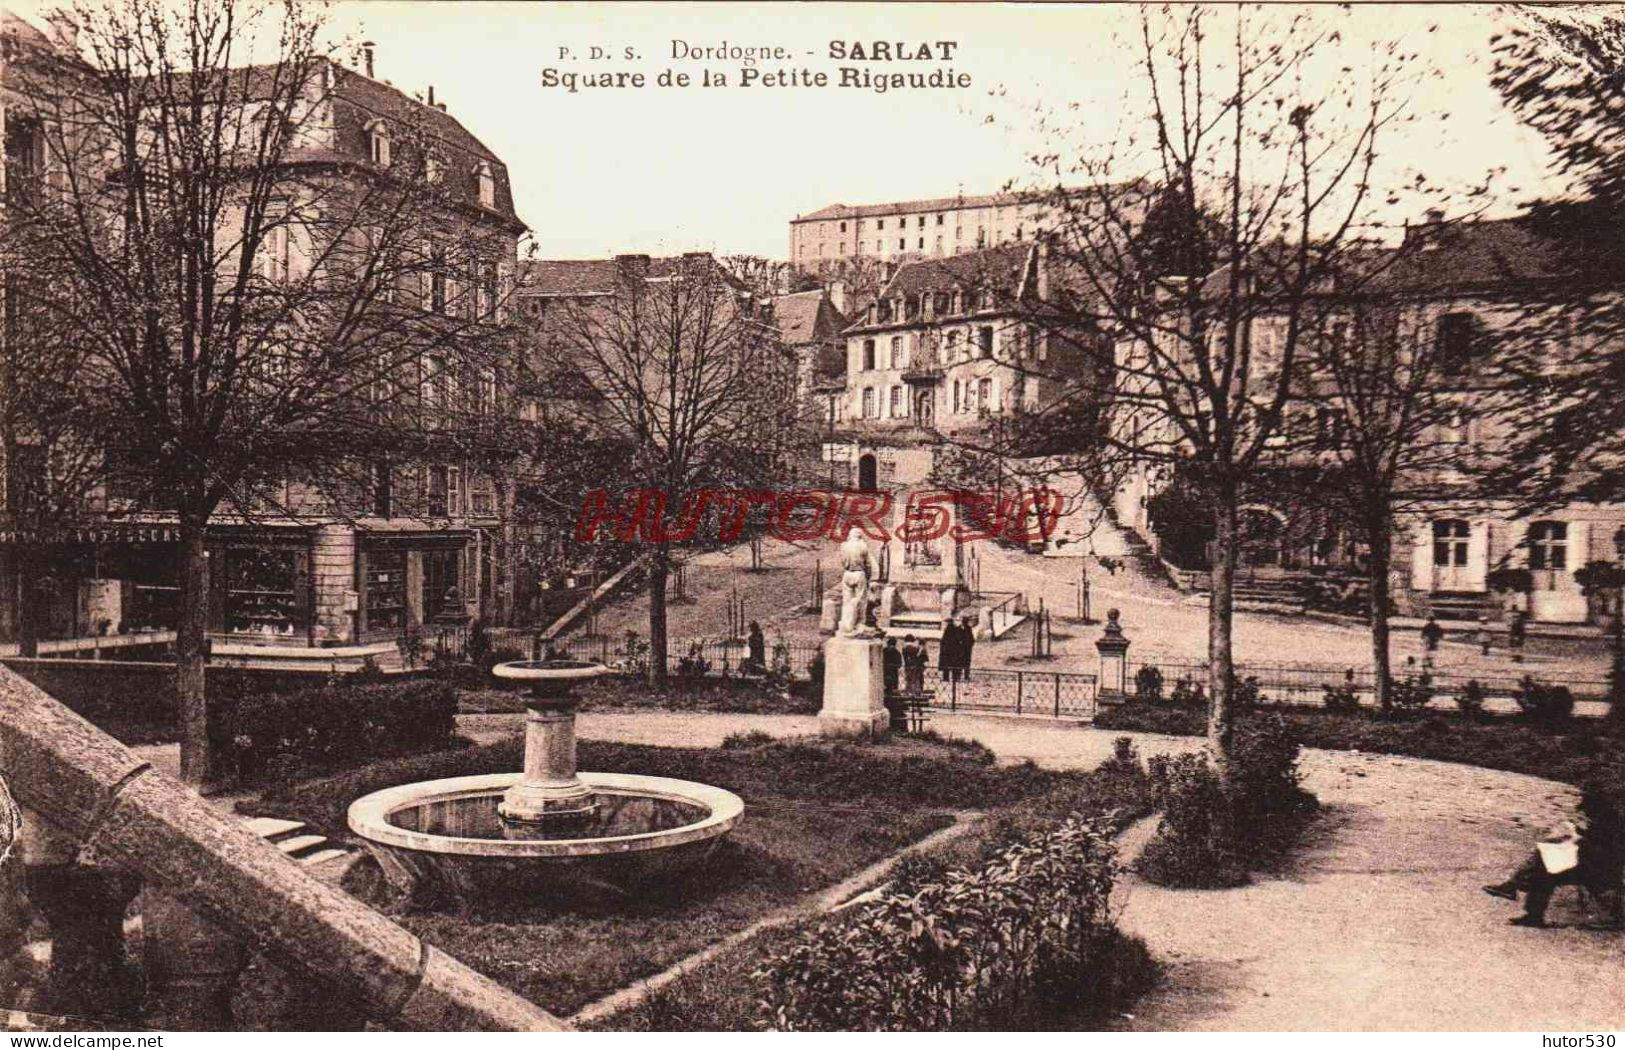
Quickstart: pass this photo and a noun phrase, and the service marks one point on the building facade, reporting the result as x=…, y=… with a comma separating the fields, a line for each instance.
x=832, y=239
x=413, y=535
x=1468, y=289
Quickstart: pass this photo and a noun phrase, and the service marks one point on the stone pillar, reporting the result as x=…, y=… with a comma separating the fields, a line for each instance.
x=192, y=966
x=854, y=688
x=83, y=907
x=414, y=588
x=332, y=579
x=829, y=616
x=1113, y=648
x=101, y=600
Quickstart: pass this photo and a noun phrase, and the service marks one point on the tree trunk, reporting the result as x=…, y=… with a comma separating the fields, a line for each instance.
x=29, y=606
x=1220, y=623
x=191, y=656
x=1381, y=662
x=659, y=571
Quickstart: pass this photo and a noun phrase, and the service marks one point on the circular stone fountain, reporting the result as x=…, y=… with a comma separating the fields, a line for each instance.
x=547, y=831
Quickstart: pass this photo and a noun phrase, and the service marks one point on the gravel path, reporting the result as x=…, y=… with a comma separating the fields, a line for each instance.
x=1379, y=924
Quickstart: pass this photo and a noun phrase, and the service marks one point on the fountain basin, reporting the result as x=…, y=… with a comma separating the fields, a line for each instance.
x=444, y=840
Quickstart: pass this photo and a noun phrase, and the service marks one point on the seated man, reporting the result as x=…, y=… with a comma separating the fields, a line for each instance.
x=1590, y=853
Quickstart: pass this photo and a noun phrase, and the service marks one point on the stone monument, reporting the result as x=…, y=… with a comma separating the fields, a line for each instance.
x=854, y=695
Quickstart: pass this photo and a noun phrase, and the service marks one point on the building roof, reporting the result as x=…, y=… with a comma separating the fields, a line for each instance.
x=1478, y=255
x=861, y=211
x=1000, y=267
x=807, y=317
x=579, y=278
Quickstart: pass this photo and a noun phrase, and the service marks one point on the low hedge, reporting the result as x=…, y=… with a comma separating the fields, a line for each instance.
x=273, y=737
x=976, y=949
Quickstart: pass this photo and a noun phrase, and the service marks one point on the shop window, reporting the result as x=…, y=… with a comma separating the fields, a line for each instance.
x=1549, y=545
x=262, y=594
x=385, y=587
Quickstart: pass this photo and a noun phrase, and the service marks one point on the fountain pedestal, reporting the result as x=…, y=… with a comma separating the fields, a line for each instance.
x=549, y=791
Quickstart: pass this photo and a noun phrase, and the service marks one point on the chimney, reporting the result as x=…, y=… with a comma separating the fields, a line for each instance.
x=837, y=295
x=441, y=106
x=431, y=95
x=367, y=54
x=1435, y=215
x=632, y=265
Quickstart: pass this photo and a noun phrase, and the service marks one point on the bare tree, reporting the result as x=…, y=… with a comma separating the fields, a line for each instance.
x=1243, y=172
x=1385, y=413
x=681, y=364
x=247, y=303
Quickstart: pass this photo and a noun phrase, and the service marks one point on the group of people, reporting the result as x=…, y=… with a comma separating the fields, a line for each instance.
x=908, y=663
x=953, y=656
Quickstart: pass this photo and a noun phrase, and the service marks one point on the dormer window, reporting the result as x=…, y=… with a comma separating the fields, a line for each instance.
x=488, y=185
x=378, y=143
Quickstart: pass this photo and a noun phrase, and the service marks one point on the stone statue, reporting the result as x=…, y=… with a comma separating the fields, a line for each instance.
x=857, y=569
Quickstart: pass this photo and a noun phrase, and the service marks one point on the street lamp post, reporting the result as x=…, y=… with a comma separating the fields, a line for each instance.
x=1616, y=687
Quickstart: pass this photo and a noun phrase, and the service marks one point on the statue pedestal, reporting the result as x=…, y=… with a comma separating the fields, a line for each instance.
x=854, y=688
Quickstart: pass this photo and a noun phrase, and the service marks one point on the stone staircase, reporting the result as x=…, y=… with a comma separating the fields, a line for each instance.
x=1268, y=594
x=291, y=837
x=1460, y=605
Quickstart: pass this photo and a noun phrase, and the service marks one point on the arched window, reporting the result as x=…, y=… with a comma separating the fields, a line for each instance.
x=1549, y=545
x=488, y=185
x=866, y=471
x=378, y=143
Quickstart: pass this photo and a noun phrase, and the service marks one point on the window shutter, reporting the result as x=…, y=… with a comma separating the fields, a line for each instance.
x=1422, y=556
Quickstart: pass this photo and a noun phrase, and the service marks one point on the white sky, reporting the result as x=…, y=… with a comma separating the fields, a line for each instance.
x=667, y=170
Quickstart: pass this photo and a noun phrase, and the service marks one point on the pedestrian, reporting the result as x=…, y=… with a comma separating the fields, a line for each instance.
x=913, y=666
x=1431, y=634
x=1515, y=634
x=1485, y=637
x=756, y=646
x=1589, y=852
x=967, y=642
x=891, y=662
x=948, y=652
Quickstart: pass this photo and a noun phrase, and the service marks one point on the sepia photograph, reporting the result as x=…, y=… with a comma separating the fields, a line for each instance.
x=811, y=517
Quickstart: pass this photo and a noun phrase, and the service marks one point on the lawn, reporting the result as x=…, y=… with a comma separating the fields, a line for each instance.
x=816, y=812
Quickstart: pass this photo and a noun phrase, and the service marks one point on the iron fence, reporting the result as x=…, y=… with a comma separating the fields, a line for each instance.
x=696, y=656
x=1059, y=694
x=1306, y=684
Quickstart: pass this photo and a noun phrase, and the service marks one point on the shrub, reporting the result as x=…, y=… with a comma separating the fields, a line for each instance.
x=963, y=952
x=1189, y=692
x=1343, y=699
x=1148, y=684
x=277, y=735
x=742, y=741
x=1548, y=705
x=1470, y=701
x=1410, y=693
x=1190, y=847
x=1208, y=835
x=369, y=674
